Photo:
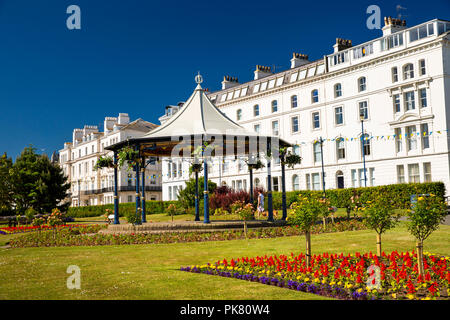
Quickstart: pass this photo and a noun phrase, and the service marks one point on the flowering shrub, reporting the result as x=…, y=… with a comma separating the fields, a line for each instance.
x=55, y=218
x=342, y=276
x=235, y=206
x=37, y=227
x=246, y=212
x=65, y=238
x=220, y=212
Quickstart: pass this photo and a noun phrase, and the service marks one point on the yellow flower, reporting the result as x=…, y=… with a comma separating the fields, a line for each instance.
x=332, y=283
x=324, y=281
x=299, y=277
x=410, y=296
x=394, y=295
x=316, y=280
x=306, y=279
x=374, y=291
x=359, y=290
x=339, y=283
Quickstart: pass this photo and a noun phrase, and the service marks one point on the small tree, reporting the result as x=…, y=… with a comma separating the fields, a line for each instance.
x=29, y=214
x=186, y=196
x=424, y=218
x=379, y=215
x=246, y=213
x=172, y=210
x=305, y=213
x=133, y=218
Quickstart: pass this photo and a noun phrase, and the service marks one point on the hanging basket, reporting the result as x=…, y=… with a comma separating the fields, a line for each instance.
x=292, y=159
x=195, y=167
x=129, y=155
x=255, y=166
x=104, y=162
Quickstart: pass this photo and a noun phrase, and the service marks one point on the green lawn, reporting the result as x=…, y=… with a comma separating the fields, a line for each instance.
x=151, y=271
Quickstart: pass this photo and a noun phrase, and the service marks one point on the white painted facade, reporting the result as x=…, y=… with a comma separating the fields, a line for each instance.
x=415, y=101
x=95, y=187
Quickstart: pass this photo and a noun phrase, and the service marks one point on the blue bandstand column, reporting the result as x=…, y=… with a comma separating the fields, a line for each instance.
x=197, y=209
x=283, y=188
x=205, y=192
x=251, y=184
x=116, y=196
x=269, y=185
x=144, y=219
x=138, y=196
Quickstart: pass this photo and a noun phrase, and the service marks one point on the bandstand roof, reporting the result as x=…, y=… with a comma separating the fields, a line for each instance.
x=199, y=118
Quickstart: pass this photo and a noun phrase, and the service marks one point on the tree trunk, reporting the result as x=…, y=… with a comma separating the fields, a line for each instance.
x=332, y=218
x=245, y=229
x=419, y=247
x=324, y=223
x=308, y=248
x=379, y=244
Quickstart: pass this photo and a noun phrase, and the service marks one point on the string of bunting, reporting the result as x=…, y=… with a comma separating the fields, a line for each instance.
x=358, y=139
x=378, y=138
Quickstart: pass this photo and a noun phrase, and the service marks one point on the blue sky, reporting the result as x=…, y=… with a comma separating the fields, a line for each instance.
x=139, y=56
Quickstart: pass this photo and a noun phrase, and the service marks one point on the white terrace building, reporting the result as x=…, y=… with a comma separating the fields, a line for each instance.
x=400, y=83
x=78, y=158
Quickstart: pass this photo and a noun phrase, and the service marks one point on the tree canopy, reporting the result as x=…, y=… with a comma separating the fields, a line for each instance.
x=33, y=181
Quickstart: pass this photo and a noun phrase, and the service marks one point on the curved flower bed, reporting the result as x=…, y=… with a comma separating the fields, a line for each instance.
x=23, y=229
x=70, y=237
x=342, y=277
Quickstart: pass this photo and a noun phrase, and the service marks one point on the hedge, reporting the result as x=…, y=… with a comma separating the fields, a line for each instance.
x=340, y=198
x=151, y=207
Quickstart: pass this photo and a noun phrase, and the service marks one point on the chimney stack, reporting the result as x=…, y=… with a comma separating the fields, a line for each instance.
x=298, y=60
x=342, y=44
x=124, y=118
x=108, y=124
x=392, y=25
x=229, y=82
x=262, y=71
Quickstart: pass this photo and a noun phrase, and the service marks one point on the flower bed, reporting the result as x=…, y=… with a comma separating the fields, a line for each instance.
x=342, y=277
x=23, y=229
x=69, y=238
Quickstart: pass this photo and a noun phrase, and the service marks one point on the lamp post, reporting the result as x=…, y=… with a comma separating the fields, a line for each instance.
x=361, y=117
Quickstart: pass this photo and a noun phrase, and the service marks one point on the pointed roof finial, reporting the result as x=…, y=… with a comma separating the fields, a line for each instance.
x=198, y=78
